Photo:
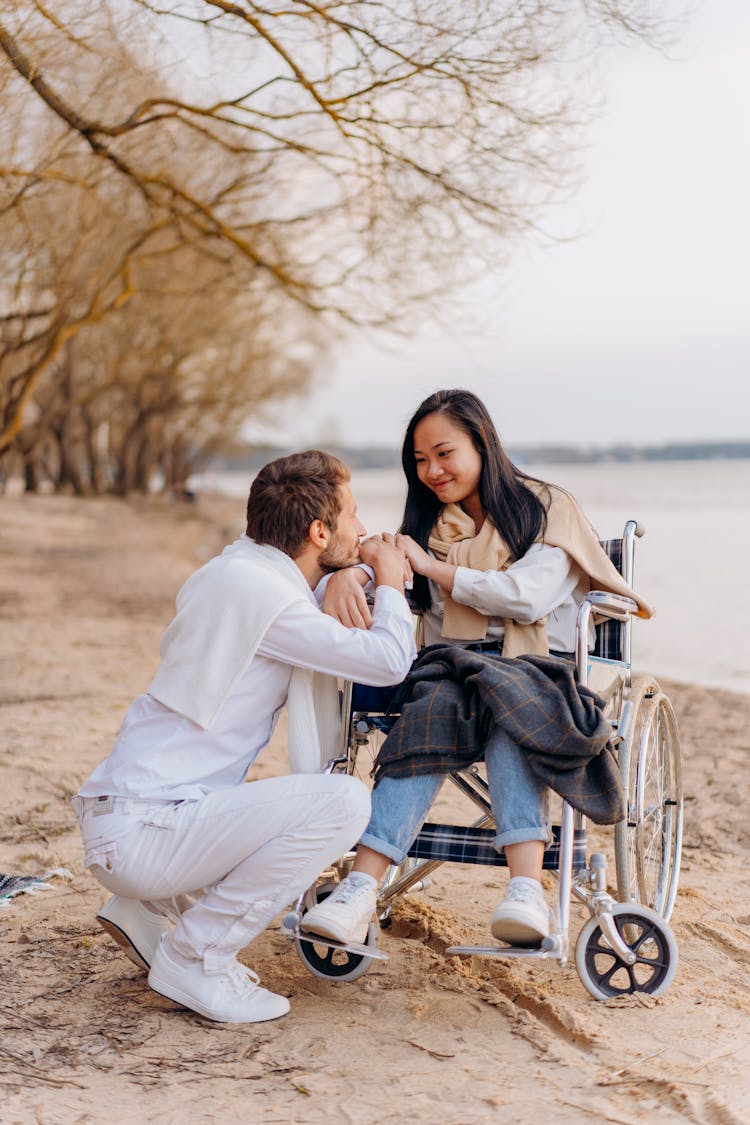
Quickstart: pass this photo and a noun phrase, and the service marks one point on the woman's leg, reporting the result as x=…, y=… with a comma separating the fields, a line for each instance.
x=520, y=806
x=399, y=808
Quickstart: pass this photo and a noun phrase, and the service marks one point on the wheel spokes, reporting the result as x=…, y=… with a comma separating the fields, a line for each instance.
x=614, y=975
x=655, y=835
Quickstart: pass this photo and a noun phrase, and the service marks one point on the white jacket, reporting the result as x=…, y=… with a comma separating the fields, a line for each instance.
x=223, y=612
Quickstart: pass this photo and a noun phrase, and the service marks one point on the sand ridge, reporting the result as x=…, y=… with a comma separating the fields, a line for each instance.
x=86, y=588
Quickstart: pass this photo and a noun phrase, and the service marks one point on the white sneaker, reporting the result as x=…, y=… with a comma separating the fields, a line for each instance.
x=134, y=927
x=343, y=916
x=228, y=995
x=523, y=917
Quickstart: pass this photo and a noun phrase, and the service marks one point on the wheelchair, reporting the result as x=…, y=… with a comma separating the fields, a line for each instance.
x=626, y=946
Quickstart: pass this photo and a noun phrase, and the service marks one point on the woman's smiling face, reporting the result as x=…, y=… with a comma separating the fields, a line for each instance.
x=446, y=460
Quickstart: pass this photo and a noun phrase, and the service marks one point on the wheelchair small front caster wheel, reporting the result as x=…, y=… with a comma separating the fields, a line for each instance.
x=336, y=964
x=605, y=974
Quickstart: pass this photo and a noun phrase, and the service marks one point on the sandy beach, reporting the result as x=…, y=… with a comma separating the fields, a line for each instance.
x=86, y=588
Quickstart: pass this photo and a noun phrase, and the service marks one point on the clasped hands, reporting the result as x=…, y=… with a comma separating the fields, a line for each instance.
x=394, y=558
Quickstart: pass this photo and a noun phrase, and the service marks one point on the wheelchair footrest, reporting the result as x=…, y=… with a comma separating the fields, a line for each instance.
x=370, y=951
x=454, y=843
x=506, y=951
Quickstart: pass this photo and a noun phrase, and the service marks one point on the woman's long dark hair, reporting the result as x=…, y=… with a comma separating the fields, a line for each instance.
x=516, y=511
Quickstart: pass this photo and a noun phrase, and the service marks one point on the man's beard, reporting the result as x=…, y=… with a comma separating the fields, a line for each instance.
x=336, y=558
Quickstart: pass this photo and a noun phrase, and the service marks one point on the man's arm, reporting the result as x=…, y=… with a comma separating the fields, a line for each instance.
x=342, y=594
x=380, y=655
x=307, y=638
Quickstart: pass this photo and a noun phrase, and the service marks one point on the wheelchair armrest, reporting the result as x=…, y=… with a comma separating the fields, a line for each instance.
x=616, y=606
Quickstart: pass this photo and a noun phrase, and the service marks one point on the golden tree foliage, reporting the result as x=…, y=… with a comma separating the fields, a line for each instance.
x=350, y=161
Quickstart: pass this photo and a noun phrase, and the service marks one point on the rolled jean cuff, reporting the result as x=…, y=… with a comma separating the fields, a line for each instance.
x=396, y=855
x=540, y=832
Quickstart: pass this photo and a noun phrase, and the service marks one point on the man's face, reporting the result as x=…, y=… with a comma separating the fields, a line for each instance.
x=343, y=548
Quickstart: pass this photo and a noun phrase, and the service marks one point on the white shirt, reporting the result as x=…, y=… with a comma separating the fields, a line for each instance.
x=543, y=583
x=161, y=755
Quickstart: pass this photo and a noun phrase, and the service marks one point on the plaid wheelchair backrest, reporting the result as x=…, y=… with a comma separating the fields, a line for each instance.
x=609, y=634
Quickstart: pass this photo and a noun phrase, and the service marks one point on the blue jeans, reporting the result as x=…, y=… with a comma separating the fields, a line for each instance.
x=519, y=802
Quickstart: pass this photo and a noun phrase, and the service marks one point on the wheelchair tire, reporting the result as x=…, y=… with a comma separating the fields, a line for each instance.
x=648, y=842
x=335, y=964
x=603, y=972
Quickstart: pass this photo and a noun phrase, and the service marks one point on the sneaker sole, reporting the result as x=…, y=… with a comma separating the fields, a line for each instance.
x=515, y=932
x=124, y=942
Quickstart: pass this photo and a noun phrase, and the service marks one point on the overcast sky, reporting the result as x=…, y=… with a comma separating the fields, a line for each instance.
x=639, y=330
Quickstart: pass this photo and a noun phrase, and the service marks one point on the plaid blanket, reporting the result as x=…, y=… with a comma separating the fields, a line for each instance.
x=451, y=699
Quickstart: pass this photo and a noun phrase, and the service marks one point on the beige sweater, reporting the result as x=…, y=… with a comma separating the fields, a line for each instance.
x=454, y=539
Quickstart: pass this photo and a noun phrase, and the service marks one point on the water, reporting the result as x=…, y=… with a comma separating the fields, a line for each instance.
x=691, y=564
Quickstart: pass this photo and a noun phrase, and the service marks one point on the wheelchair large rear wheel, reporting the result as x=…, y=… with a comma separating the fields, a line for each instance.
x=648, y=842
x=335, y=964
x=605, y=974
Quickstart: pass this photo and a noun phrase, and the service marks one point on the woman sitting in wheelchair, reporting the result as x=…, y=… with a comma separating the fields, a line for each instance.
x=501, y=563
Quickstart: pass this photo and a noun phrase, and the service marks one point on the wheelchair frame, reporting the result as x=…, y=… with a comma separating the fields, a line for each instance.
x=624, y=947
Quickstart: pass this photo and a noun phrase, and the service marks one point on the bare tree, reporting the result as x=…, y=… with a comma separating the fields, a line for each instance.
x=359, y=160
x=77, y=244
x=171, y=383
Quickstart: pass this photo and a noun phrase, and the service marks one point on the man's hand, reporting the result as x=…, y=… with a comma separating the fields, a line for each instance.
x=387, y=560
x=345, y=598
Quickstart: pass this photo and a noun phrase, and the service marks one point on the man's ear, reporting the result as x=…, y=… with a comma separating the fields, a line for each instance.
x=318, y=534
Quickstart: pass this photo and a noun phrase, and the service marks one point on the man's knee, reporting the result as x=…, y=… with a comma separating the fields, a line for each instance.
x=354, y=797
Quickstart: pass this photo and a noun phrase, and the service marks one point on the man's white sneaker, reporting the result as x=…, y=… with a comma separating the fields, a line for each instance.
x=229, y=995
x=134, y=927
x=345, y=915
x=523, y=917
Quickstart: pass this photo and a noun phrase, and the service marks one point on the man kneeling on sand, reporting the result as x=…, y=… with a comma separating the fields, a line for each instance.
x=199, y=862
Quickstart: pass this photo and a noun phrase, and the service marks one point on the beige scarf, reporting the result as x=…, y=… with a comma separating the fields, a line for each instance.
x=454, y=540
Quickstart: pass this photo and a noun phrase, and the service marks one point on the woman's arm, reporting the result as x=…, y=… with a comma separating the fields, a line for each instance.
x=527, y=591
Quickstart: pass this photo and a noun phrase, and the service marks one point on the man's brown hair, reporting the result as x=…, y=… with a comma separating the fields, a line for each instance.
x=291, y=492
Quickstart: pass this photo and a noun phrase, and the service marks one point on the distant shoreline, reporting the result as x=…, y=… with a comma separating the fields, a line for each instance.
x=384, y=457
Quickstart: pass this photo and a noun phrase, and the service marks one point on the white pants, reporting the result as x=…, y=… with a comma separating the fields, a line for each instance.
x=244, y=853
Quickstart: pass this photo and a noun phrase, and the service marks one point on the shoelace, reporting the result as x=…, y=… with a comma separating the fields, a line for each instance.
x=243, y=980
x=346, y=891
x=522, y=894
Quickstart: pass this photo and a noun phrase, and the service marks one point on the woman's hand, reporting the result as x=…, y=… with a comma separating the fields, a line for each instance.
x=423, y=563
x=417, y=557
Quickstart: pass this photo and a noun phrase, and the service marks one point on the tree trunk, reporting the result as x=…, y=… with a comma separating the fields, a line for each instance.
x=143, y=466
x=68, y=471
x=93, y=467
x=124, y=467
x=30, y=473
